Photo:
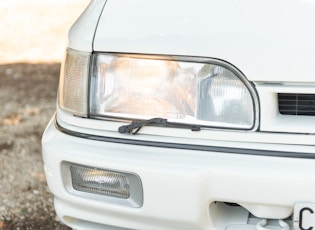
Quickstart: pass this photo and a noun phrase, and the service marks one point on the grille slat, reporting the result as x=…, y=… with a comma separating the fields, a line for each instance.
x=296, y=104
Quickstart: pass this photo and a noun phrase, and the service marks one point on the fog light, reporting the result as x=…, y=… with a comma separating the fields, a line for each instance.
x=101, y=184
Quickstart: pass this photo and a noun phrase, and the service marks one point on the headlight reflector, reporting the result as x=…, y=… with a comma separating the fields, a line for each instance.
x=182, y=91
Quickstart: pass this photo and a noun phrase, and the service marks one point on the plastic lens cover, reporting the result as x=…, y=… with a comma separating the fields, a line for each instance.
x=182, y=91
x=105, y=185
x=73, y=84
x=100, y=182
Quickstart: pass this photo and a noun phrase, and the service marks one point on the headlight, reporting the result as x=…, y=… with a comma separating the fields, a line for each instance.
x=195, y=91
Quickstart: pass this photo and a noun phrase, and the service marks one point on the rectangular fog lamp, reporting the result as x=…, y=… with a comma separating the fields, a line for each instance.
x=100, y=182
x=116, y=187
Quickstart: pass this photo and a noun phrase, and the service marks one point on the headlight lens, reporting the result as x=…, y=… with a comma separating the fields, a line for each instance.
x=182, y=91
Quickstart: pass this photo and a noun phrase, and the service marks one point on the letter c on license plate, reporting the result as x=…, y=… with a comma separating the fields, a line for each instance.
x=304, y=216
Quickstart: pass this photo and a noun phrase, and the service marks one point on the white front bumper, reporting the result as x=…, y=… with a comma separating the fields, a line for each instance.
x=183, y=189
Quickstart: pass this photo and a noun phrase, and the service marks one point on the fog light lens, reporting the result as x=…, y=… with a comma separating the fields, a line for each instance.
x=116, y=187
x=100, y=182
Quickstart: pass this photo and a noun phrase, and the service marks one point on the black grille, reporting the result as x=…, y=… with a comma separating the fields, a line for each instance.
x=296, y=104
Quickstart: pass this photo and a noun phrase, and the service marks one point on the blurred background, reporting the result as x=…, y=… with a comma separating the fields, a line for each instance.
x=33, y=38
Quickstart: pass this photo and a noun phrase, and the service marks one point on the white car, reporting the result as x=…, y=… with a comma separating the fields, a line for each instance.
x=188, y=115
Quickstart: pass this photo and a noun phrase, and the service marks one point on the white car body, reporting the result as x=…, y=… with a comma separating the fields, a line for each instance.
x=190, y=178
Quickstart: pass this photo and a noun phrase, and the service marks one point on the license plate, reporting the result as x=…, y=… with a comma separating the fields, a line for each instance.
x=304, y=216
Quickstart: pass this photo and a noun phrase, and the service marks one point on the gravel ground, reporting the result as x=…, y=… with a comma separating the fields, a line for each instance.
x=32, y=42
x=27, y=99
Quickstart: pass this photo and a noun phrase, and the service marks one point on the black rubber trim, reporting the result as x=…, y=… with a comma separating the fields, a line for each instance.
x=186, y=146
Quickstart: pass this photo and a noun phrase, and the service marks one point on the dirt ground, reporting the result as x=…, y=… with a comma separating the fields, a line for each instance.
x=32, y=42
x=27, y=98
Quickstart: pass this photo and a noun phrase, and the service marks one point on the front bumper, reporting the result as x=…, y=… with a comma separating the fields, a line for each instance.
x=183, y=189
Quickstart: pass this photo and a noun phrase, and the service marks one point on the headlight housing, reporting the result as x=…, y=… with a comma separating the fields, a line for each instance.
x=196, y=91
x=193, y=91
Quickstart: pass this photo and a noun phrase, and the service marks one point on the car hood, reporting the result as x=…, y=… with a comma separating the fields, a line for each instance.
x=269, y=41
